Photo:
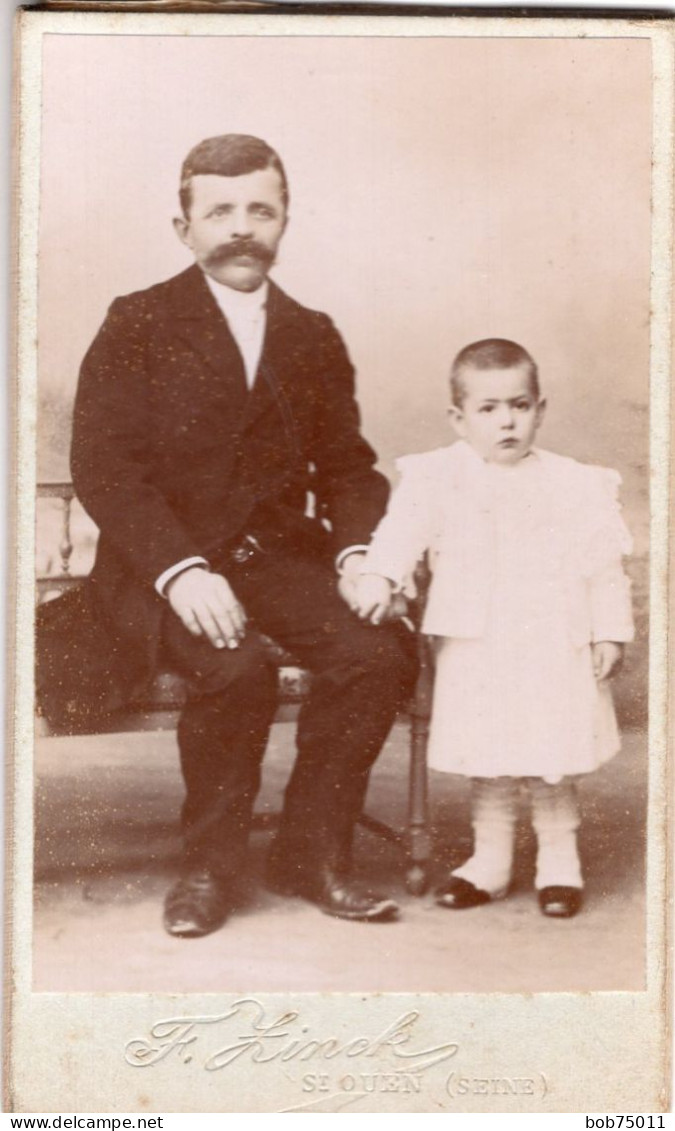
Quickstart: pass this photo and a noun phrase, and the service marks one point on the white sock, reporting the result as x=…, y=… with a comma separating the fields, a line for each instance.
x=493, y=815
x=555, y=817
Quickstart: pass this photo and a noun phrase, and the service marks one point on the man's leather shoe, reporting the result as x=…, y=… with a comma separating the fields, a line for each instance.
x=196, y=905
x=336, y=895
x=560, y=902
x=459, y=895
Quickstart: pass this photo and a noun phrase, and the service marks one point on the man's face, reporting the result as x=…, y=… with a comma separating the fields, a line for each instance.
x=500, y=415
x=235, y=226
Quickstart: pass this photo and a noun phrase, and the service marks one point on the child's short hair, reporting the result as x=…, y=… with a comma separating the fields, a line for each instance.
x=490, y=353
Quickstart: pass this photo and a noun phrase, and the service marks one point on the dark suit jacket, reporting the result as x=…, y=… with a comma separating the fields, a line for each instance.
x=173, y=457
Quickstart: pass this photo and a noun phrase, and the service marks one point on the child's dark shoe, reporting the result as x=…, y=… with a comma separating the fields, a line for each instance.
x=459, y=894
x=560, y=902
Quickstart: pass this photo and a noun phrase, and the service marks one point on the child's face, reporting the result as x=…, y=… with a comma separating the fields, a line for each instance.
x=500, y=415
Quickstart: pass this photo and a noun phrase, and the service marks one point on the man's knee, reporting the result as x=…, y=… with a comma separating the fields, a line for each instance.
x=387, y=652
x=399, y=654
x=247, y=671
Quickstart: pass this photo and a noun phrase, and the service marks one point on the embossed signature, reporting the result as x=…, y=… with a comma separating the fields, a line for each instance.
x=285, y=1038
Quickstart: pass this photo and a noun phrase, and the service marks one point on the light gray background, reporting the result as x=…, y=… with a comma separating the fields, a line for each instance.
x=441, y=191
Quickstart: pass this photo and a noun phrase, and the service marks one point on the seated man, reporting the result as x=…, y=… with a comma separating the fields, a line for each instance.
x=209, y=407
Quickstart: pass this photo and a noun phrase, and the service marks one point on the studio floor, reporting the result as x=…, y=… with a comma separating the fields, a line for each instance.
x=107, y=848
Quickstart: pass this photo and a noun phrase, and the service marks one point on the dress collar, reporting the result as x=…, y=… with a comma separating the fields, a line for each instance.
x=471, y=457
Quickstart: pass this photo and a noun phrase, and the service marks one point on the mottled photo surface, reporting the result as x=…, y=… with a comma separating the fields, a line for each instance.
x=494, y=186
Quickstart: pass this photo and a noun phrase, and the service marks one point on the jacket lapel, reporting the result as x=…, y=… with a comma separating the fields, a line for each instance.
x=268, y=390
x=199, y=321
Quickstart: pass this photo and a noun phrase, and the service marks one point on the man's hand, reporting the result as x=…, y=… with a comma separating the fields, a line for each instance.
x=607, y=658
x=207, y=607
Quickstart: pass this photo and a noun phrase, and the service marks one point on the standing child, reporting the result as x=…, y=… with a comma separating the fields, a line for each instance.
x=529, y=606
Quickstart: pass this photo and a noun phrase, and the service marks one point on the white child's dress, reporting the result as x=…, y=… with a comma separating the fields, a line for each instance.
x=526, y=567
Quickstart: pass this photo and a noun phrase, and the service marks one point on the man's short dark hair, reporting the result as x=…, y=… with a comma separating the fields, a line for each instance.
x=229, y=155
x=490, y=353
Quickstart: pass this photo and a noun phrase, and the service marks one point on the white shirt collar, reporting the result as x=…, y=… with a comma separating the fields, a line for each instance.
x=244, y=312
x=238, y=305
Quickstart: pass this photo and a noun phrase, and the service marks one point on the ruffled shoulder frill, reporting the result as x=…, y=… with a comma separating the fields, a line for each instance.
x=452, y=466
x=604, y=536
x=422, y=479
x=609, y=524
x=426, y=465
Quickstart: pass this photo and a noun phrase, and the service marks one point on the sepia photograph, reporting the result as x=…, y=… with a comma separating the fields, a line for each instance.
x=342, y=400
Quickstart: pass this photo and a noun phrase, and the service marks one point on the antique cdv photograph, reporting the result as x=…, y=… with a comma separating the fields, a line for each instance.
x=339, y=563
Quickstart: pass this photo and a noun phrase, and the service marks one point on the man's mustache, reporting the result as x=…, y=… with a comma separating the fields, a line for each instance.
x=232, y=250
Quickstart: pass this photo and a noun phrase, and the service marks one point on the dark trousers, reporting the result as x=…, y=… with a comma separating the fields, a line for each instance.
x=361, y=676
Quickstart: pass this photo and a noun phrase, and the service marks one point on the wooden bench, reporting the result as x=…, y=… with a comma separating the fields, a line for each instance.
x=159, y=709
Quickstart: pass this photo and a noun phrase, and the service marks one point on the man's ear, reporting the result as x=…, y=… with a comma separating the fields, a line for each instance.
x=540, y=413
x=457, y=419
x=181, y=227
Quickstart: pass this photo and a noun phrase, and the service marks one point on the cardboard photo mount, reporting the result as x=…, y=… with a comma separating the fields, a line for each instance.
x=404, y=216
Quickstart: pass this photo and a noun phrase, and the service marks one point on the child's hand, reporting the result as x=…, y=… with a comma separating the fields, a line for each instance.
x=398, y=609
x=607, y=658
x=373, y=597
